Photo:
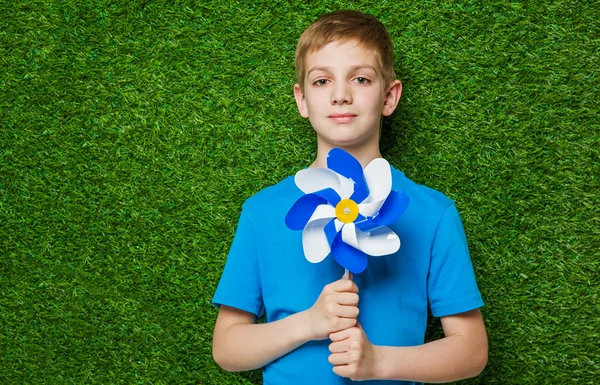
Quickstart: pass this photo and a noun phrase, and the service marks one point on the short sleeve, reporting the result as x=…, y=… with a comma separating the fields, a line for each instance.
x=239, y=286
x=451, y=285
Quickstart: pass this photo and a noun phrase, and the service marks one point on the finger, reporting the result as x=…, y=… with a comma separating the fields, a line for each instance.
x=340, y=346
x=343, y=285
x=346, y=311
x=344, y=299
x=337, y=359
x=343, y=324
x=342, y=370
x=340, y=335
x=347, y=299
x=350, y=333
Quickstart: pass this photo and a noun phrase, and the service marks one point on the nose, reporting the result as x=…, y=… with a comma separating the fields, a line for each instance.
x=341, y=93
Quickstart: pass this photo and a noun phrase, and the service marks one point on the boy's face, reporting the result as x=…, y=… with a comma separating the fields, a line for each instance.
x=344, y=95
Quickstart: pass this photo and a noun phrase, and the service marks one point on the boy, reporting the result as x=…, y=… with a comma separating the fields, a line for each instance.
x=313, y=332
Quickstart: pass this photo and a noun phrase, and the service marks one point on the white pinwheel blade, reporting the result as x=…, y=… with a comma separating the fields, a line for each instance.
x=379, y=179
x=314, y=241
x=370, y=209
x=310, y=180
x=349, y=235
x=338, y=224
x=322, y=212
x=376, y=243
x=346, y=187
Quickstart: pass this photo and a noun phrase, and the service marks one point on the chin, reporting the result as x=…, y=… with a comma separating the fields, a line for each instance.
x=346, y=137
x=345, y=142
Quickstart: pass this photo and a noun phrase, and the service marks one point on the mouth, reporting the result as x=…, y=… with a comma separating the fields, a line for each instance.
x=342, y=118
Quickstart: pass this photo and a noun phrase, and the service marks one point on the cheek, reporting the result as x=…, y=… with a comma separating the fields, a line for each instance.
x=379, y=105
x=376, y=106
x=315, y=103
x=373, y=101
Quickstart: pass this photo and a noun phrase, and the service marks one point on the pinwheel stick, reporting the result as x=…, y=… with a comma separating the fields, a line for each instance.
x=346, y=274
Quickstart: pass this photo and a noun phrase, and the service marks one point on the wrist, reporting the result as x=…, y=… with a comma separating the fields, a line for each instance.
x=302, y=326
x=379, y=364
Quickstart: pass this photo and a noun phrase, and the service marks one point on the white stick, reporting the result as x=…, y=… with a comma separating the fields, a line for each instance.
x=346, y=274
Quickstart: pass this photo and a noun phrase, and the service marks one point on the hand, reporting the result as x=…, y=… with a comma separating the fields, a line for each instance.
x=336, y=309
x=352, y=354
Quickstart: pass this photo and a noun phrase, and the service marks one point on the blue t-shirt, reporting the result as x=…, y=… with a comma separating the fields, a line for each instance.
x=266, y=273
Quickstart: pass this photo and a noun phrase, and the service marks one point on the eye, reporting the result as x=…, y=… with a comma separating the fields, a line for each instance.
x=320, y=82
x=362, y=80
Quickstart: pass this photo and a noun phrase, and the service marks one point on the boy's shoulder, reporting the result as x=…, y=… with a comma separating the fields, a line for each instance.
x=281, y=194
x=423, y=194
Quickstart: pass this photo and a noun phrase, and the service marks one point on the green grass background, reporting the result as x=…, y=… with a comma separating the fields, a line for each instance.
x=131, y=133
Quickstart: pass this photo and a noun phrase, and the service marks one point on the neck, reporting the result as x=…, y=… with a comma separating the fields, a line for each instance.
x=364, y=153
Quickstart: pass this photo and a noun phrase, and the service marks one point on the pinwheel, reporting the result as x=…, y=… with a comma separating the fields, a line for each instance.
x=346, y=211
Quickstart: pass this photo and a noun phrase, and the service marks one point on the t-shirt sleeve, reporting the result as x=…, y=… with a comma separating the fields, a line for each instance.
x=239, y=286
x=451, y=286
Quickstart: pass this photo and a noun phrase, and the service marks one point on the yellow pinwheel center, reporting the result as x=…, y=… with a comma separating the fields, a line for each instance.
x=346, y=210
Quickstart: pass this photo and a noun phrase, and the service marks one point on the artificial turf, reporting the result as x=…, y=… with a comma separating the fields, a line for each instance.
x=132, y=131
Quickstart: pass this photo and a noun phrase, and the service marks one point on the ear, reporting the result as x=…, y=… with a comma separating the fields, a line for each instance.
x=392, y=97
x=300, y=101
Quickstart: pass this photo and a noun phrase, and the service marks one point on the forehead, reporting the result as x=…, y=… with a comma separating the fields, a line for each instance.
x=339, y=55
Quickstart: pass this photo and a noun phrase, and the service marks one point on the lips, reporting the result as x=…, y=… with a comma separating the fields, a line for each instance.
x=342, y=118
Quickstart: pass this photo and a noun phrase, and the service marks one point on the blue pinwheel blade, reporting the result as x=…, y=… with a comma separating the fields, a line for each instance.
x=302, y=210
x=394, y=206
x=330, y=195
x=346, y=165
x=365, y=224
x=347, y=256
x=330, y=231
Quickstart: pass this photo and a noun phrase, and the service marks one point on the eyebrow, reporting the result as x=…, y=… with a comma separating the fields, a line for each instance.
x=352, y=69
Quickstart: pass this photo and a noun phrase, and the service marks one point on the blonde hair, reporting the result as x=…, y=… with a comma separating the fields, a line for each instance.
x=344, y=26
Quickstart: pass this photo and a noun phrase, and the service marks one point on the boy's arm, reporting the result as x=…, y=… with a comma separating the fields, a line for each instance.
x=241, y=344
x=462, y=353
